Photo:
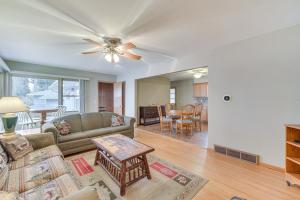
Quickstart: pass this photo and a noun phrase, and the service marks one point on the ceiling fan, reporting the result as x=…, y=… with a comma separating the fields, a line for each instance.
x=112, y=48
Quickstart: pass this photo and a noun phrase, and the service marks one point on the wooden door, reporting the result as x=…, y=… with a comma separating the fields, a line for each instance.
x=119, y=97
x=106, y=96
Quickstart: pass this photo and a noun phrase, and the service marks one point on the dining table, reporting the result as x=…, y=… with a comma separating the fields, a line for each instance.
x=179, y=113
x=43, y=112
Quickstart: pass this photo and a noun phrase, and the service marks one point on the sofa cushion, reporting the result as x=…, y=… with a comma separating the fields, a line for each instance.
x=53, y=190
x=4, y=155
x=92, y=133
x=16, y=146
x=9, y=195
x=3, y=172
x=36, y=156
x=74, y=120
x=28, y=177
x=106, y=118
x=91, y=121
x=3, y=166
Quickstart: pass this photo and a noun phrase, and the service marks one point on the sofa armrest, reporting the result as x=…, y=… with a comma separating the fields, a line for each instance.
x=49, y=127
x=40, y=140
x=129, y=121
x=85, y=193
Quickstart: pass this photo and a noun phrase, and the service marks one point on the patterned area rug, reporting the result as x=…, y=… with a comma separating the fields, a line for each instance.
x=168, y=181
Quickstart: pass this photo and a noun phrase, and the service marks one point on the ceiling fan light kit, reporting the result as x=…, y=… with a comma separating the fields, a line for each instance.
x=112, y=49
x=112, y=58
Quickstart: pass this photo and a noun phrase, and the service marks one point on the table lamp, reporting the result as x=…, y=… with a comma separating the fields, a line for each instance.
x=9, y=106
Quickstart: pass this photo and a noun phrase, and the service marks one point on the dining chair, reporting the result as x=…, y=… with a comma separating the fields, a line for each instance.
x=186, y=121
x=25, y=121
x=182, y=124
x=197, y=116
x=188, y=111
x=165, y=122
x=168, y=108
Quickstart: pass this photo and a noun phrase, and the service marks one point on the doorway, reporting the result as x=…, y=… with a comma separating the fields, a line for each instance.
x=111, y=97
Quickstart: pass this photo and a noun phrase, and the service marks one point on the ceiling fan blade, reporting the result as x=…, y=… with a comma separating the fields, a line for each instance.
x=126, y=46
x=92, y=41
x=131, y=56
x=92, y=50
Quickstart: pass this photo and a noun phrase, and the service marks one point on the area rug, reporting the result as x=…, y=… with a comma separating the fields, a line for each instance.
x=168, y=182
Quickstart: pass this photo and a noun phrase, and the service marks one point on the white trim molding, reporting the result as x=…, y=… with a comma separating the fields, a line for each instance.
x=15, y=72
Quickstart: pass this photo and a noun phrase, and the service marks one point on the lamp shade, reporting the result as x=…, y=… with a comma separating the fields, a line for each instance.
x=12, y=105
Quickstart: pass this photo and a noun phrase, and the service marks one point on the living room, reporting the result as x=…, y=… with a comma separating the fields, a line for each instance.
x=60, y=141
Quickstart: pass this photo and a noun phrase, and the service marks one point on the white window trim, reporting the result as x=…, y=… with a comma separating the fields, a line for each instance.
x=8, y=91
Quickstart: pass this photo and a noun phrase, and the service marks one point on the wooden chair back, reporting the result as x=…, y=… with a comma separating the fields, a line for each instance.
x=188, y=111
x=189, y=108
x=198, y=109
x=168, y=107
x=159, y=112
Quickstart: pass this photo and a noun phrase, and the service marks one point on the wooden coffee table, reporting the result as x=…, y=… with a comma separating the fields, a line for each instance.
x=123, y=159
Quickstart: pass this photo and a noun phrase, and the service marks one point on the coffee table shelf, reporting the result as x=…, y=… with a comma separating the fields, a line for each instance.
x=123, y=159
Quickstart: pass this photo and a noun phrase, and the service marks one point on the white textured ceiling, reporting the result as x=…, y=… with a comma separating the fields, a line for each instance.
x=187, y=74
x=50, y=31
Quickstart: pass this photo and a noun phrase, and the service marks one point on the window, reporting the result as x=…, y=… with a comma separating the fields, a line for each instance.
x=43, y=92
x=71, y=95
x=36, y=92
x=172, y=95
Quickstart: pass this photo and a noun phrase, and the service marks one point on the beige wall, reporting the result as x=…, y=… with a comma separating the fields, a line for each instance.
x=184, y=91
x=153, y=91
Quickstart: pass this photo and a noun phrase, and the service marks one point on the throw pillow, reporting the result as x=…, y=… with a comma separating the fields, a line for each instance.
x=117, y=121
x=63, y=127
x=16, y=146
x=3, y=155
x=3, y=172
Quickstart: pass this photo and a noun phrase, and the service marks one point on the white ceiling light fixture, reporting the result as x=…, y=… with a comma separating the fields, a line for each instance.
x=197, y=75
x=112, y=58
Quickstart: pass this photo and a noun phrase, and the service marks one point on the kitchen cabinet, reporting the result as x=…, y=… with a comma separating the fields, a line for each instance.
x=200, y=89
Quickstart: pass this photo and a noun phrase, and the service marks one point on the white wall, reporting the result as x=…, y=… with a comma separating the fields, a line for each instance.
x=262, y=75
x=91, y=95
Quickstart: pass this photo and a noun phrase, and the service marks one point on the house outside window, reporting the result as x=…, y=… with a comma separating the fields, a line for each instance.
x=172, y=96
x=41, y=92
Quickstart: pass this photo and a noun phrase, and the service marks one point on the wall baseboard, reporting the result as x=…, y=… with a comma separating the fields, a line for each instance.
x=272, y=167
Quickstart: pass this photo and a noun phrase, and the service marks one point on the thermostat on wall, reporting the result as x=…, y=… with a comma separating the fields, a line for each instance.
x=226, y=98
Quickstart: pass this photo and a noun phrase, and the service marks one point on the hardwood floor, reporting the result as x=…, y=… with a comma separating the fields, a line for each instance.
x=227, y=176
x=199, y=137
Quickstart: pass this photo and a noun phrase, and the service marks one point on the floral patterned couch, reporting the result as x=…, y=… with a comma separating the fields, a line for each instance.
x=41, y=174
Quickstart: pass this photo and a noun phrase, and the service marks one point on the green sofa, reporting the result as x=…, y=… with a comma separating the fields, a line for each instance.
x=85, y=126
